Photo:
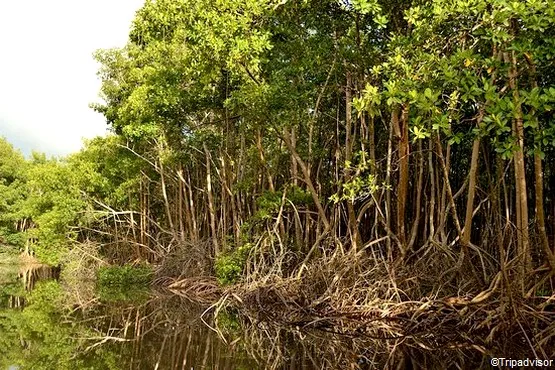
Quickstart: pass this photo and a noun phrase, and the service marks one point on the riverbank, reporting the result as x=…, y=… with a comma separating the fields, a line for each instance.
x=345, y=310
x=431, y=304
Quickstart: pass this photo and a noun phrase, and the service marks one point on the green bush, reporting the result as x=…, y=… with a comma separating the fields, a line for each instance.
x=229, y=266
x=123, y=293
x=126, y=276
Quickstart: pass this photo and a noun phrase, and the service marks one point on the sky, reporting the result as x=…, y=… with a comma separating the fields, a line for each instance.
x=47, y=72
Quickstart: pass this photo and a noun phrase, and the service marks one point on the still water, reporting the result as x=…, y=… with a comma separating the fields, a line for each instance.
x=47, y=324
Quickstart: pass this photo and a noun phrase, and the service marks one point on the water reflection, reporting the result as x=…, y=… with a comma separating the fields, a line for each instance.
x=276, y=347
x=43, y=327
x=16, y=280
x=165, y=332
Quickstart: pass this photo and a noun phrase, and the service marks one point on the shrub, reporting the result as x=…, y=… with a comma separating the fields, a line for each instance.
x=126, y=276
x=229, y=266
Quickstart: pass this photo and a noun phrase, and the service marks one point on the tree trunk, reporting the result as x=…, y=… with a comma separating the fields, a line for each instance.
x=538, y=185
x=471, y=188
x=352, y=221
x=523, y=241
x=211, y=210
x=307, y=179
x=404, y=151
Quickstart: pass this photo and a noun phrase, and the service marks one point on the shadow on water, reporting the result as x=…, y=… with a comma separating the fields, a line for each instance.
x=43, y=327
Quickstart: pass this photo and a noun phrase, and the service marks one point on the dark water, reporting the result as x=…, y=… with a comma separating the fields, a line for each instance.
x=47, y=324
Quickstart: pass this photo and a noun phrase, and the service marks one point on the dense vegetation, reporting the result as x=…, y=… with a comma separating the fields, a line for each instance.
x=346, y=154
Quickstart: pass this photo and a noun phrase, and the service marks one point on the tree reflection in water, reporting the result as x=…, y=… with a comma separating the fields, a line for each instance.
x=42, y=327
x=45, y=329
x=276, y=347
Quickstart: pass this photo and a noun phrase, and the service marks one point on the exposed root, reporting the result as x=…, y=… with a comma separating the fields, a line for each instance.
x=203, y=290
x=357, y=296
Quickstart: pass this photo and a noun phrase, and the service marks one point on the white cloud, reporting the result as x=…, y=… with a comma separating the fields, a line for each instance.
x=47, y=73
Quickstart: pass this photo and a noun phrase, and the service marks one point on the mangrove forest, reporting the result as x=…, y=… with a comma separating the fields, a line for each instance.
x=296, y=184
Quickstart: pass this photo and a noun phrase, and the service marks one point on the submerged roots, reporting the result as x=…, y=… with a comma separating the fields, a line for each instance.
x=362, y=306
x=359, y=297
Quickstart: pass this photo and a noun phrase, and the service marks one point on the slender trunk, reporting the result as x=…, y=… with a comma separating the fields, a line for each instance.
x=372, y=144
x=431, y=216
x=211, y=210
x=353, y=225
x=448, y=190
x=403, y=185
x=418, y=205
x=538, y=184
x=263, y=160
x=392, y=122
x=166, y=201
x=295, y=176
x=444, y=207
x=192, y=207
x=523, y=241
x=307, y=179
x=540, y=216
x=471, y=191
x=142, y=194
x=181, y=211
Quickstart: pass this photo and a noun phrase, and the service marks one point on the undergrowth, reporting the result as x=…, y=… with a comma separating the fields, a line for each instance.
x=229, y=266
x=126, y=276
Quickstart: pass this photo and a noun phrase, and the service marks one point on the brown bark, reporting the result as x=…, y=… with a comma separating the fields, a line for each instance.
x=263, y=160
x=307, y=179
x=166, y=200
x=388, y=212
x=295, y=176
x=211, y=210
x=471, y=187
x=187, y=210
x=372, y=144
x=404, y=152
x=538, y=185
x=431, y=215
x=418, y=205
x=523, y=241
x=353, y=224
x=447, y=187
x=181, y=211
x=540, y=215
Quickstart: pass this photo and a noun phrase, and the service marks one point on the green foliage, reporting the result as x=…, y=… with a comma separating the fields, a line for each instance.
x=33, y=336
x=40, y=202
x=12, y=191
x=228, y=323
x=228, y=320
x=204, y=96
x=108, y=171
x=298, y=196
x=268, y=205
x=125, y=276
x=42, y=335
x=175, y=44
x=53, y=203
x=229, y=265
x=123, y=293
